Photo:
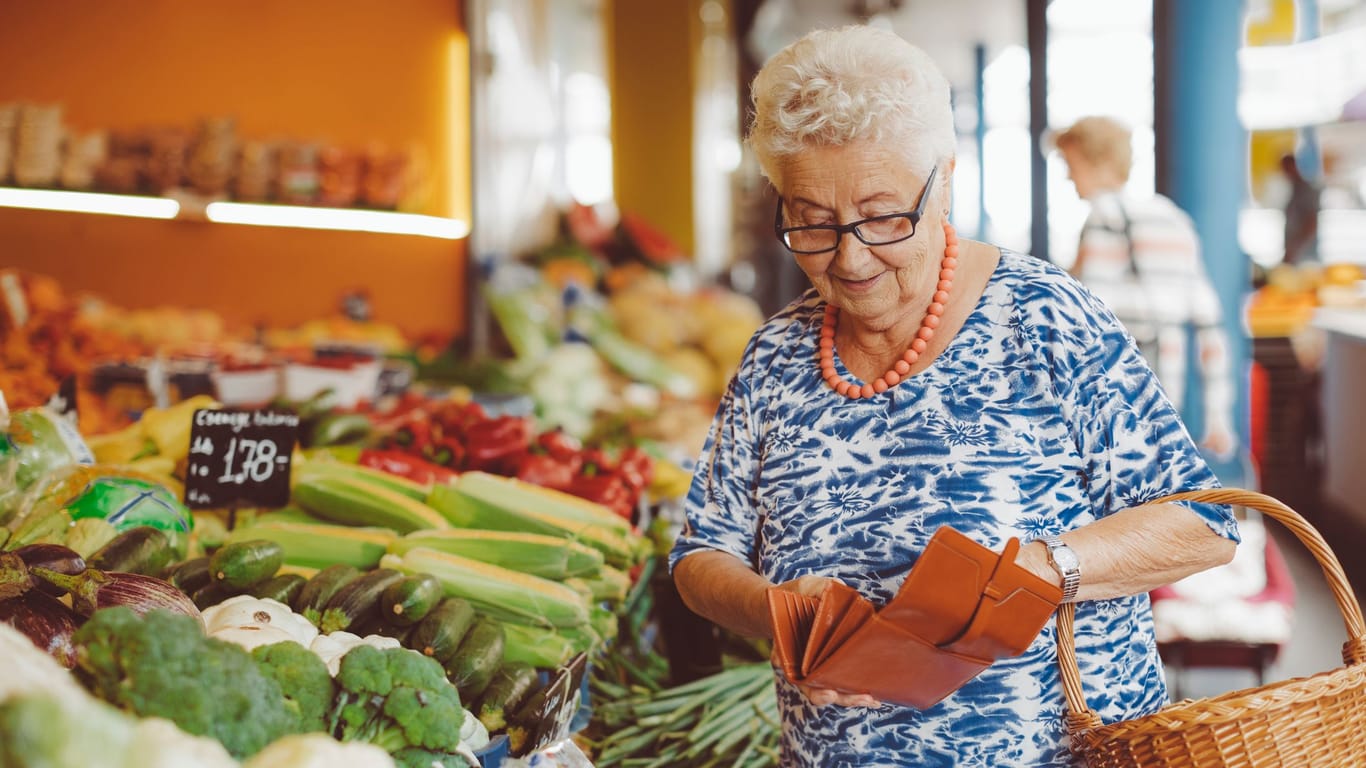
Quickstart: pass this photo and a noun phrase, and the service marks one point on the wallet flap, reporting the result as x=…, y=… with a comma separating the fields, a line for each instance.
x=790, y=616
x=896, y=666
x=1015, y=606
x=940, y=595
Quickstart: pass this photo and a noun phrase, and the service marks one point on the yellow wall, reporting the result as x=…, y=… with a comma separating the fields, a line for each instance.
x=342, y=71
x=652, y=112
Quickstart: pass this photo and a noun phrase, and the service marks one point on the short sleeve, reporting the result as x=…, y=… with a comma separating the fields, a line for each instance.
x=1130, y=437
x=719, y=507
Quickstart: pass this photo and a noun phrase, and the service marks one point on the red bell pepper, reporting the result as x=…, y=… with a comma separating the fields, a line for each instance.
x=559, y=444
x=447, y=452
x=494, y=445
x=607, y=490
x=636, y=468
x=406, y=465
x=545, y=470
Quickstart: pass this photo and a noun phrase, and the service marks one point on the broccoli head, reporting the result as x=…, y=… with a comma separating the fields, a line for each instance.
x=303, y=677
x=364, y=671
x=396, y=698
x=161, y=665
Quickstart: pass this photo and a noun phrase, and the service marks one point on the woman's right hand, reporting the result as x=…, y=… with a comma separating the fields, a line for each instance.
x=813, y=586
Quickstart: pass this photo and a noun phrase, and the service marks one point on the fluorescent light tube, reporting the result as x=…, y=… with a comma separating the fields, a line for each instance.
x=89, y=202
x=337, y=218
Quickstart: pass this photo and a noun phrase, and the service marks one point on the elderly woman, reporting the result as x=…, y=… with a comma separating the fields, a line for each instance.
x=930, y=381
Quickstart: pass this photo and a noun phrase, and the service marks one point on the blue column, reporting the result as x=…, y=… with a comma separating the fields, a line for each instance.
x=1202, y=160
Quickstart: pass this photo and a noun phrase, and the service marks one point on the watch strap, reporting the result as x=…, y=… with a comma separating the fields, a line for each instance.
x=1071, y=574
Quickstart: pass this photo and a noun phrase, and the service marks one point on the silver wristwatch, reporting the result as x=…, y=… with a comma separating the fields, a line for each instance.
x=1068, y=565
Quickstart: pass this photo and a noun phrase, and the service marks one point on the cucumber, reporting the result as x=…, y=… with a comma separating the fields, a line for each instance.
x=283, y=587
x=211, y=594
x=509, y=688
x=439, y=633
x=144, y=550
x=322, y=586
x=409, y=599
x=244, y=564
x=478, y=658
x=191, y=575
x=358, y=600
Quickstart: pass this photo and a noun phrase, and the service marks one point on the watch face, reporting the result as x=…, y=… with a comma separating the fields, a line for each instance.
x=1066, y=558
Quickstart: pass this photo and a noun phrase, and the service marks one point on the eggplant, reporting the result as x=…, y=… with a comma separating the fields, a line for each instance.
x=94, y=589
x=45, y=621
x=15, y=578
x=53, y=557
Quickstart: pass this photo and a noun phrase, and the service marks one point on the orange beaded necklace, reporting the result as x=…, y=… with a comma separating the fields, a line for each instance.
x=854, y=389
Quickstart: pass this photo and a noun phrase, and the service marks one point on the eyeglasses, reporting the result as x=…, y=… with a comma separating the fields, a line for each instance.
x=878, y=230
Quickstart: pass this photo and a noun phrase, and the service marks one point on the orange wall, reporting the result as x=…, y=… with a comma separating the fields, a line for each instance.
x=343, y=71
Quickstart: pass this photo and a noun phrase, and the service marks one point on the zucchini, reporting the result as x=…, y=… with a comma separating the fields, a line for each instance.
x=358, y=600
x=407, y=600
x=242, y=565
x=144, y=549
x=439, y=633
x=509, y=688
x=321, y=587
x=283, y=587
x=478, y=658
x=191, y=575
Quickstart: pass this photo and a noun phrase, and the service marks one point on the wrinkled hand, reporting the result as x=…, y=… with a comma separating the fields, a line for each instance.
x=813, y=585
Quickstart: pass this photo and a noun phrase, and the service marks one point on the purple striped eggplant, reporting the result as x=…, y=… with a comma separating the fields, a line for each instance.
x=53, y=557
x=94, y=589
x=44, y=620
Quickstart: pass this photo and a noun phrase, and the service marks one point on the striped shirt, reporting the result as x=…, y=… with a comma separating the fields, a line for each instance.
x=1142, y=258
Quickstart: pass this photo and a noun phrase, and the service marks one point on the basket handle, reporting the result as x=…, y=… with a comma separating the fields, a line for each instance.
x=1353, y=651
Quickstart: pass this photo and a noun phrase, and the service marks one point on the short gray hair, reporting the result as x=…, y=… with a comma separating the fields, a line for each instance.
x=856, y=83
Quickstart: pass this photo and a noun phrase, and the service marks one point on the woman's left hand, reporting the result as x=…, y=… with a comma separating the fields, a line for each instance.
x=823, y=696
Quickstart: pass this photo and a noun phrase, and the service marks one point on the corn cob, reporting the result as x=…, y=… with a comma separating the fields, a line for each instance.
x=549, y=557
x=403, y=485
x=610, y=584
x=509, y=491
x=494, y=590
x=352, y=501
x=318, y=545
x=537, y=646
x=465, y=511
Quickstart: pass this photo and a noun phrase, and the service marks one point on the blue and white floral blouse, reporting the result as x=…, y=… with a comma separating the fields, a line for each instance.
x=1040, y=417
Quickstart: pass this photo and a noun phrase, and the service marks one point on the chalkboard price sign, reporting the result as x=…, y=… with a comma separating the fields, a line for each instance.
x=240, y=457
x=558, y=702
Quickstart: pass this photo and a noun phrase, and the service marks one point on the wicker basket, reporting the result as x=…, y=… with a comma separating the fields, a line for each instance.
x=1317, y=721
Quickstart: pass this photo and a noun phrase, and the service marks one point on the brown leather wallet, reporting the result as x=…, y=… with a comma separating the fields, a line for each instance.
x=961, y=608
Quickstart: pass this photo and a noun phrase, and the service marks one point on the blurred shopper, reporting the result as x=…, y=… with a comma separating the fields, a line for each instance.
x=1301, y=215
x=1142, y=258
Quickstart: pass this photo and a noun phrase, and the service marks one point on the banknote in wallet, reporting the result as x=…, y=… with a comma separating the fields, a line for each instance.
x=962, y=607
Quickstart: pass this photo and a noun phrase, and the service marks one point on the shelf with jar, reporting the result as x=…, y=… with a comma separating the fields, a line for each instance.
x=209, y=173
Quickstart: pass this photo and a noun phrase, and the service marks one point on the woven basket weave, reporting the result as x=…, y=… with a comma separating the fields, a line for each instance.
x=1317, y=721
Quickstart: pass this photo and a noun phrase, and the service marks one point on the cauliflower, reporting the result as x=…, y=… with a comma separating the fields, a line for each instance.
x=332, y=646
x=158, y=743
x=317, y=750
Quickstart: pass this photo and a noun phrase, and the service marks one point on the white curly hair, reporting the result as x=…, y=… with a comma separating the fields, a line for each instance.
x=851, y=84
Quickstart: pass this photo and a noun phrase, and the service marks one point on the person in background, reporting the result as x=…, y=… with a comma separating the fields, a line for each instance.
x=928, y=380
x=1141, y=256
x=1301, y=215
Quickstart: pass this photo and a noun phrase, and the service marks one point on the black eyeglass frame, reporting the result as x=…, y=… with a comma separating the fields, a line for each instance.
x=852, y=227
